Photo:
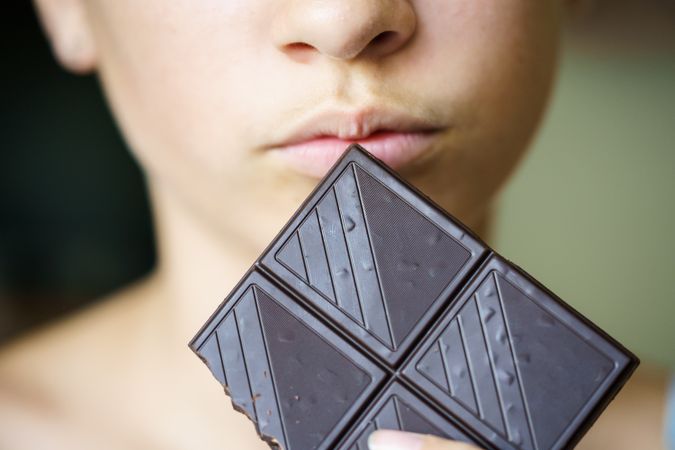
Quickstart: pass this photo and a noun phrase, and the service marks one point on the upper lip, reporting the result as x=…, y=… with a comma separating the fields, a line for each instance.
x=355, y=124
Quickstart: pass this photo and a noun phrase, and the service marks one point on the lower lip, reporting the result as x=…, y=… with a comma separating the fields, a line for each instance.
x=315, y=157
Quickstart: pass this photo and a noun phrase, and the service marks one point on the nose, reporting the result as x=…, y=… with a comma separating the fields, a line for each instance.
x=343, y=29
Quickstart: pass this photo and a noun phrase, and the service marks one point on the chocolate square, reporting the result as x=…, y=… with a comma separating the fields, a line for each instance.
x=515, y=363
x=398, y=408
x=298, y=381
x=371, y=256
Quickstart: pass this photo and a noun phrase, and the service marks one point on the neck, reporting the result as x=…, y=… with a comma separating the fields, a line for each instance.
x=198, y=264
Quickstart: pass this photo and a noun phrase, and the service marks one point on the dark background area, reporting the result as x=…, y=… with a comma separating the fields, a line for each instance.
x=74, y=220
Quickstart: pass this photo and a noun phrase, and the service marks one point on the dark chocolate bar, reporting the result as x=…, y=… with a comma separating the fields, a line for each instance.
x=375, y=308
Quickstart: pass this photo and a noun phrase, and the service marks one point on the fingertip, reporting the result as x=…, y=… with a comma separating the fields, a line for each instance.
x=394, y=440
x=403, y=440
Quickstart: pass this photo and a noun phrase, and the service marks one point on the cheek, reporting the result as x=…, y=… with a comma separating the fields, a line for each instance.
x=184, y=79
x=494, y=56
x=497, y=60
x=179, y=76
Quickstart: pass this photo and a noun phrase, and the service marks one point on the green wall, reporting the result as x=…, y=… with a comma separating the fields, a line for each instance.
x=591, y=212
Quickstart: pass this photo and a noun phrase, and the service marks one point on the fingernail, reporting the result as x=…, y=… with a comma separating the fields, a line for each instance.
x=394, y=440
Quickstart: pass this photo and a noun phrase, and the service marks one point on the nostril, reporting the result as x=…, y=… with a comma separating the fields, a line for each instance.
x=384, y=43
x=298, y=46
x=383, y=37
x=299, y=51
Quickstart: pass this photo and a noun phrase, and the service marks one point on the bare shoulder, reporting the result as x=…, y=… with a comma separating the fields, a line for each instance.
x=65, y=346
x=48, y=376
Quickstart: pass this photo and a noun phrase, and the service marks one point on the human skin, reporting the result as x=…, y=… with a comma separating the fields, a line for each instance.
x=200, y=90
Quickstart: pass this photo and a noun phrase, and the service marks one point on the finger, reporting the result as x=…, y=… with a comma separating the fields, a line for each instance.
x=400, y=440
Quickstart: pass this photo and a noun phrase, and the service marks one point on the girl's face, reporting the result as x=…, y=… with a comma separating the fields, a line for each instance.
x=202, y=88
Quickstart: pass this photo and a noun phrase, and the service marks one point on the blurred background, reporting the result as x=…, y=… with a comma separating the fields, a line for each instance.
x=590, y=213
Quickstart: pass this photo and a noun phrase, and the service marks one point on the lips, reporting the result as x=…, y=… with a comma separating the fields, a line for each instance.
x=393, y=137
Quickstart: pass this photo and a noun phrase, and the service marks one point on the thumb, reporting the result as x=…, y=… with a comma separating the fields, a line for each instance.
x=401, y=440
